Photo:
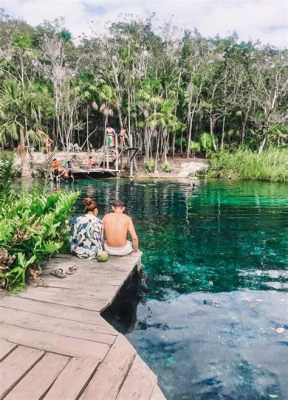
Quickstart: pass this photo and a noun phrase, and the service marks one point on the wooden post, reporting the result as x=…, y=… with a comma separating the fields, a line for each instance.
x=121, y=159
x=131, y=164
x=106, y=150
x=116, y=151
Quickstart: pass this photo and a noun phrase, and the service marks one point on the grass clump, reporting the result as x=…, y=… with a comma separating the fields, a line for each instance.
x=166, y=167
x=149, y=165
x=270, y=166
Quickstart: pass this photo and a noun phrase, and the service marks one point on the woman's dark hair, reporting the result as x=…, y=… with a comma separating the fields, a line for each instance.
x=90, y=204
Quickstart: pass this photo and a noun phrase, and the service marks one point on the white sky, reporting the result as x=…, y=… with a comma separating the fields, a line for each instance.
x=266, y=20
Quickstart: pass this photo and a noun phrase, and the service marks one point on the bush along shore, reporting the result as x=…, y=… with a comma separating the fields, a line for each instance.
x=33, y=227
x=270, y=166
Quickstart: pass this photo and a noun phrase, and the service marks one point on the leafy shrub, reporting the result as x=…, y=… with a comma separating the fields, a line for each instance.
x=206, y=142
x=195, y=147
x=6, y=171
x=149, y=165
x=33, y=227
x=166, y=167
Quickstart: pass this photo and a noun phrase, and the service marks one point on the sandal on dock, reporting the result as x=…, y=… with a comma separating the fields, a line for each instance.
x=71, y=270
x=3, y=283
x=58, y=272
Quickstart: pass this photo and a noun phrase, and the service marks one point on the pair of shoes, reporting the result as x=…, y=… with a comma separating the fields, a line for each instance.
x=60, y=273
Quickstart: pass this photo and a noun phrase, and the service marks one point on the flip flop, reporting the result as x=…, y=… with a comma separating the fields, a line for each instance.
x=58, y=272
x=71, y=270
x=4, y=283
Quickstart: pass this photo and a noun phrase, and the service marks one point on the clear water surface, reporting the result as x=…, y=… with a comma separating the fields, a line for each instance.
x=213, y=322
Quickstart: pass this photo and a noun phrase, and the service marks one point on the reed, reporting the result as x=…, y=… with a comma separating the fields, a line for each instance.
x=271, y=165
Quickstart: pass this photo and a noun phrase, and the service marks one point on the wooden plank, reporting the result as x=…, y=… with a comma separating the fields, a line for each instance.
x=139, y=383
x=13, y=367
x=66, y=299
x=54, y=343
x=36, y=383
x=58, y=326
x=157, y=394
x=54, y=310
x=103, y=296
x=63, y=292
x=6, y=348
x=83, y=283
x=101, y=293
x=111, y=271
x=72, y=380
x=110, y=375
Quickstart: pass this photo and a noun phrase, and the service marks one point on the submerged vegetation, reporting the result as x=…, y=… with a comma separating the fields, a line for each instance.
x=271, y=165
x=33, y=227
x=174, y=94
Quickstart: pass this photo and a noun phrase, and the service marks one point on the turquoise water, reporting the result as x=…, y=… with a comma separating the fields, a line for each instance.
x=213, y=322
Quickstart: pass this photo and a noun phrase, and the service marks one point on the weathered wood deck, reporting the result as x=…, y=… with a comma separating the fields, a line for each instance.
x=80, y=173
x=54, y=344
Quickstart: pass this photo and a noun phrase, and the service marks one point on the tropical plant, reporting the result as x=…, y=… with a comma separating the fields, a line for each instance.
x=166, y=167
x=195, y=147
x=33, y=227
x=149, y=165
x=165, y=91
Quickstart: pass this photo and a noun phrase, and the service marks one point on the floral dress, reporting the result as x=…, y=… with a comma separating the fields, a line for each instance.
x=87, y=237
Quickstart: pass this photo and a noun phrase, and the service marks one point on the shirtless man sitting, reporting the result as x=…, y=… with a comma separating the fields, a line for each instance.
x=117, y=226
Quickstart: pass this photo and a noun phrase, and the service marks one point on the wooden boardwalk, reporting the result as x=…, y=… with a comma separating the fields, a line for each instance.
x=54, y=344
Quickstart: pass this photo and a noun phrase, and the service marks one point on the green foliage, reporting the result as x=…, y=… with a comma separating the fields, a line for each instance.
x=195, y=147
x=149, y=165
x=166, y=167
x=33, y=227
x=6, y=170
x=206, y=142
x=271, y=165
x=163, y=91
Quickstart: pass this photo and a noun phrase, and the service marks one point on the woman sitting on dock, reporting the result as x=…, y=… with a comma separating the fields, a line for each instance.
x=88, y=232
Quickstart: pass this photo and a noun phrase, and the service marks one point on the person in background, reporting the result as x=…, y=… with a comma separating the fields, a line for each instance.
x=55, y=170
x=67, y=173
x=110, y=136
x=90, y=163
x=87, y=237
x=122, y=136
x=117, y=226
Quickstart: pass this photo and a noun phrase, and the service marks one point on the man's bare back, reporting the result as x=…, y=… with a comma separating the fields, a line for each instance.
x=117, y=226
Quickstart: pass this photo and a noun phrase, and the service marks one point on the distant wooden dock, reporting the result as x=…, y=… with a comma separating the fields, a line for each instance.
x=54, y=344
x=82, y=173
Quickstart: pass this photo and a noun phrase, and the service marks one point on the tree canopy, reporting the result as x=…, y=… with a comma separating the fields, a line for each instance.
x=174, y=94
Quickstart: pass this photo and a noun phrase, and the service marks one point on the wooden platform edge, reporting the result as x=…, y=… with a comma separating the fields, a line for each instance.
x=12, y=338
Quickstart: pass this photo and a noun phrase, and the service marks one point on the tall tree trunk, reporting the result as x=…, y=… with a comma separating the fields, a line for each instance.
x=173, y=144
x=262, y=145
x=223, y=132
x=25, y=164
x=87, y=127
x=211, y=121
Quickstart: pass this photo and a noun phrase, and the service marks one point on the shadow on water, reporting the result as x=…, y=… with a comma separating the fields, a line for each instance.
x=213, y=322
x=122, y=313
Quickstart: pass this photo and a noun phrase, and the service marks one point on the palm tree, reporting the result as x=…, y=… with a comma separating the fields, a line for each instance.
x=20, y=108
x=108, y=102
x=86, y=90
